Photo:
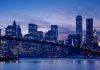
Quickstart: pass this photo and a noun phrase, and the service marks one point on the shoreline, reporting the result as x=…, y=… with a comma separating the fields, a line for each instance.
x=14, y=59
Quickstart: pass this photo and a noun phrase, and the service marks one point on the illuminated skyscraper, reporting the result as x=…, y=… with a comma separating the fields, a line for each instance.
x=89, y=32
x=79, y=26
x=40, y=35
x=54, y=28
x=18, y=31
x=32, y=29
x=12, y=31
x=9, y=30
x=50, y=35
x=14, y=28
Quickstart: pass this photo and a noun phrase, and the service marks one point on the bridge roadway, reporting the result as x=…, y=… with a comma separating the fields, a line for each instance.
x=30, y=40
x=45, y=43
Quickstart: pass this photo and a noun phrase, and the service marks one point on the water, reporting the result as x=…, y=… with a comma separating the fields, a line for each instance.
x=52, y=64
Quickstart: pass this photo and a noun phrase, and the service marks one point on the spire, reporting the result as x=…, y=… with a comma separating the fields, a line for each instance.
x=14, y=23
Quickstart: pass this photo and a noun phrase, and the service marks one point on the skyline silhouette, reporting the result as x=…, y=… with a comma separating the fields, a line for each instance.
x=47, y=12
x=49, y=34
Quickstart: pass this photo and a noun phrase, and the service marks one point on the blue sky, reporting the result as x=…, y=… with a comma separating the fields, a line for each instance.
x=47, y=12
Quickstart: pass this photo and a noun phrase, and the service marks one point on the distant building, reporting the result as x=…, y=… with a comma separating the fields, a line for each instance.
x=30, y=36
x=77, y=40
x=18, y=31
x=40, y=35
x=69, y=40
x=50, y=35
x=32, y=28
x=8, y=45
x=13, y=31
x=89, y=32
x=54, y=28
x=9, y=30
x=32, y=32
x=14, y=28
x=95, y=43
x=79, y=26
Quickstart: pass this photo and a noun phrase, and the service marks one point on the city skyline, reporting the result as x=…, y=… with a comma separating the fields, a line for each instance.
x=49, y=34
x=61, y=13
x=34, y=42
x=78, y=24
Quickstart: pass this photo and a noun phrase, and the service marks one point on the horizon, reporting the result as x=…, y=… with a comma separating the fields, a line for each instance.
x=61, y=12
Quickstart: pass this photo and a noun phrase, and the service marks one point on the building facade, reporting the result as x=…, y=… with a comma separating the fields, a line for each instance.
x=89, y=32
x=79, y=26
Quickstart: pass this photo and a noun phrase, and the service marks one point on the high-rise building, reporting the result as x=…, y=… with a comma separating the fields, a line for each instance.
x=30, y=36
x=89, y=32
x=13, y=31
x=79, y=26
x=50, y=35
x=95, y=46
x=14, y=28
x=54, y=28
x=40, y=35
x=32, y=28
x=9, y=30
x=18, y=31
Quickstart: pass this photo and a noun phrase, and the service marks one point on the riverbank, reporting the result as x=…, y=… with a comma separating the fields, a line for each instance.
x=8, y=59
x=12, y=59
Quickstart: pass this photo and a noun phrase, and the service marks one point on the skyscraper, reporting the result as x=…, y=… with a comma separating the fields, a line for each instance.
x=79, y=26
x=54, y=28
x=95, y=39
x=14, y=28
x=89, y=32
x=50, y=35
x=40, y=35
x=12, y=31
x=32, y=29
x=18, y=31
x=9, y=30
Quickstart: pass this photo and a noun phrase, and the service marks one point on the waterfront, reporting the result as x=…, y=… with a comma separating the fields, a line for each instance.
x=51, y=64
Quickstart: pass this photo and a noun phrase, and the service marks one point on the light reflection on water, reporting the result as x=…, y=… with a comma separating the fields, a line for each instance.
x=51, y=64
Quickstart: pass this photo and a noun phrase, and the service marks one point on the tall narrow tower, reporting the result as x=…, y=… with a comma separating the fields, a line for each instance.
x=79, y=26
x=89, y=32
x=54, y=28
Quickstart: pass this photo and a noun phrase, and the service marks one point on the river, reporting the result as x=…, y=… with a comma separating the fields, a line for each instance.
x=51, y=64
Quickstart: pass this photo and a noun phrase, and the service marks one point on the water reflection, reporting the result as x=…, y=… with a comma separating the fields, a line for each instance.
x=5, y=62
x=51, y=64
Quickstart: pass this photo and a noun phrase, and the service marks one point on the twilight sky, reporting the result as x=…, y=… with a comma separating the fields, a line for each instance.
x=47, y=12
